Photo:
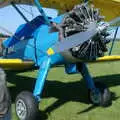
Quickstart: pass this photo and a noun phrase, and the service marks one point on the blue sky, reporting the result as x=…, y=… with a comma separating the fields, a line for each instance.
x=10, y=19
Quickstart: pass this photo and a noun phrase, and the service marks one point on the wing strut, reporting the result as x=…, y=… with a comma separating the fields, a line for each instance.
x=113, y=41
x=37, y=3
x=17, y=9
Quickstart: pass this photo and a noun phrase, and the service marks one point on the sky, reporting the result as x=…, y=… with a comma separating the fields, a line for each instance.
x=10, y=19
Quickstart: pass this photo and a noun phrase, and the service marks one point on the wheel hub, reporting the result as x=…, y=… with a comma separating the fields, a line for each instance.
x=95, y=97
x=21, y=109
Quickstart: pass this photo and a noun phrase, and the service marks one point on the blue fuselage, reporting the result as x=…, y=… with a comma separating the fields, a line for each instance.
x=32, y=40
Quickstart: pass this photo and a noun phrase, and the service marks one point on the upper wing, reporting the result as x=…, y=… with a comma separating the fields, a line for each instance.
x=109, y=8
x=61, y=5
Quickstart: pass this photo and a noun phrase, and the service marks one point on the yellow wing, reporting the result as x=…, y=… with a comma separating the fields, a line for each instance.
x=15, y=64
x=109, y=8
x=61, y=5
x=105, y=59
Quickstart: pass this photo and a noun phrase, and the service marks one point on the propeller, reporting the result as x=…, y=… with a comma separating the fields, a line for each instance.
x=115, y=21
x=75, y=39
x=84, y=33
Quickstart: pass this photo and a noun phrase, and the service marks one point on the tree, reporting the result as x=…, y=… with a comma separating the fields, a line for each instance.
x=3, y=35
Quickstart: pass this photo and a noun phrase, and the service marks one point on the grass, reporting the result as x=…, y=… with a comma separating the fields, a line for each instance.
x=65, y=96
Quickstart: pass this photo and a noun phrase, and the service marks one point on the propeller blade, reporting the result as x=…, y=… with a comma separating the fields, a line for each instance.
x=75, y=40
x=115, y=21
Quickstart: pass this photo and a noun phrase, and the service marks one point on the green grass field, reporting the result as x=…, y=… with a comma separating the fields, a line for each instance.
x=65, y=96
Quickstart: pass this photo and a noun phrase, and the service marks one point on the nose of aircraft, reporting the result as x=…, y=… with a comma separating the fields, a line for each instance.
x=84, y=34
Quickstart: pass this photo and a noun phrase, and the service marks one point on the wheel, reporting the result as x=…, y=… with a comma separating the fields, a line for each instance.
x=101, y=96
x=26, y=106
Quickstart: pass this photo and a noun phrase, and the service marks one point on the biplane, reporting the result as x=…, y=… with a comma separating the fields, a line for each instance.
x=79, y=35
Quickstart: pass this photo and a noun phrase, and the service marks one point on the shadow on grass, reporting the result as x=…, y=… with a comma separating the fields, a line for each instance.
x=113, y=96
x=64, y=92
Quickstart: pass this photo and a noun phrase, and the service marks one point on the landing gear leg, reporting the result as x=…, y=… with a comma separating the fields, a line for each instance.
x=98, y=93
x=43, y=71
x=26, y=102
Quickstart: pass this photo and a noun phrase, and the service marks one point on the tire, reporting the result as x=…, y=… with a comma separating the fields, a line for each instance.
x=5, y=98
x=102, y=96
x=26, y=106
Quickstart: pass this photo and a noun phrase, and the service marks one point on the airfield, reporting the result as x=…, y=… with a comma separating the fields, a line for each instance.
x=65, y=96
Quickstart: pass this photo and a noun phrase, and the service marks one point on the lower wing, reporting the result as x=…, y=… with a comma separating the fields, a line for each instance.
x=15, y=64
